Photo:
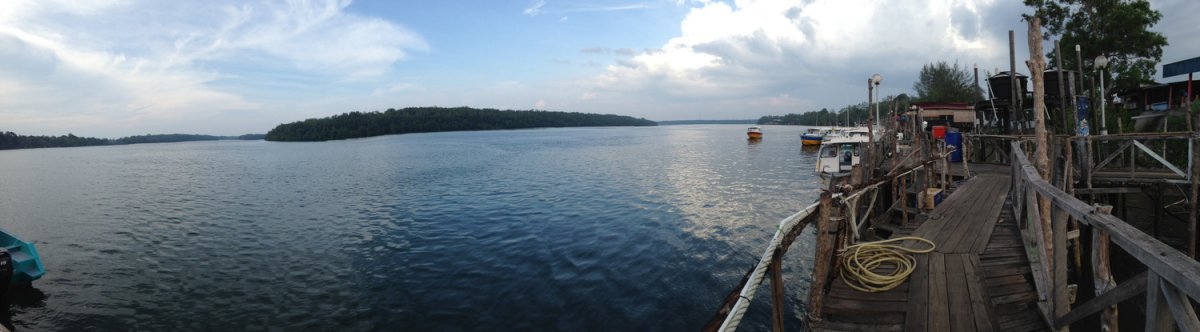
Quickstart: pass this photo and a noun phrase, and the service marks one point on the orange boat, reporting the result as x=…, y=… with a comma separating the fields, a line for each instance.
x=754, y=133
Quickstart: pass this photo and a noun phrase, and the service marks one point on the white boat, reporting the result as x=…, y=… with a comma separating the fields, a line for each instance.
x=840, y=153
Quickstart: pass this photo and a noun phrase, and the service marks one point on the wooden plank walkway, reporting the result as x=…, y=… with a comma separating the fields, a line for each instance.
x=975, y=280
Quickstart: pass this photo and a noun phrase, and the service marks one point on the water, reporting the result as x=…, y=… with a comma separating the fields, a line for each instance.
x=551, y=229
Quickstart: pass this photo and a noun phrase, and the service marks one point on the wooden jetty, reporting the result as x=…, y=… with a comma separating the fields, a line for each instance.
x=1022, y=241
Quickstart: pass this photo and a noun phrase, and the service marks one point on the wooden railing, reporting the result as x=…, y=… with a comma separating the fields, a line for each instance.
x=1136, y=157
x=1171, y=282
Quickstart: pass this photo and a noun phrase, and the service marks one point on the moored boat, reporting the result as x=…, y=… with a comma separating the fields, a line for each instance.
x=840, y=153
x=754, y=133
x=26, y=265
x=813, y=136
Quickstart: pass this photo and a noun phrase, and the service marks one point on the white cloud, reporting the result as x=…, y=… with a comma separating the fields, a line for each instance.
x=111, y=68
x=787, y=55
x=535, y=8
x=540, y=104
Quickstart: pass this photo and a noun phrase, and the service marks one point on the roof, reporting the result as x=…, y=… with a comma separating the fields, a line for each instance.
x=1181, y=67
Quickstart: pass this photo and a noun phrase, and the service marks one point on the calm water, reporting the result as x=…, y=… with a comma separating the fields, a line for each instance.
x=579, y=229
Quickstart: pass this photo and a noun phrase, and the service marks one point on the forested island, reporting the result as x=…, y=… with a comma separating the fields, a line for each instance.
x=10, y=140
x=435, y=119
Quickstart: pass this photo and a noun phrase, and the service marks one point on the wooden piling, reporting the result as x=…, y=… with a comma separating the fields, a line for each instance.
x=1102, y=271
x=777, y=304
x=824, y=256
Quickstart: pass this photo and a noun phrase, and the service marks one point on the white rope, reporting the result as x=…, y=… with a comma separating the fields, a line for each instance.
x=747, y=294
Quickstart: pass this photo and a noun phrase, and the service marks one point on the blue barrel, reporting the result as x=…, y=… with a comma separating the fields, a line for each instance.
x=955, y=139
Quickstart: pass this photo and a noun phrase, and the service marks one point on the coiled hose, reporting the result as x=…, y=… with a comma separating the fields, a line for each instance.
x=860, y=261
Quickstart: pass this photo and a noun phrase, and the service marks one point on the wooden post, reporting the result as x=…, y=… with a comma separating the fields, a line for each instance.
x=1014, y=101
x=1158, y=312
x=1062, y=92
x=777, y=290
x=822, y=258
x=966, y=157
x=1102, y=271
x=1055, y=239
x=1192, y=231
x=904, y=198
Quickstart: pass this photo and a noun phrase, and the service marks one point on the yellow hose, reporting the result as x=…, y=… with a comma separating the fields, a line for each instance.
x=860, y=261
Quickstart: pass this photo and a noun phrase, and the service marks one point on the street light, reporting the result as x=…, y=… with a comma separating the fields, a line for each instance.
x=876, y=78
x=1101, y=63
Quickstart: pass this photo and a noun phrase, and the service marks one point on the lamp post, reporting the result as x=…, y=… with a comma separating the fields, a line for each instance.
x=875, y=79
x=1101, y=63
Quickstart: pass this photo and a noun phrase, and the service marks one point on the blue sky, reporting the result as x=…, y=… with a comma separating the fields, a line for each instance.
x=112, y=68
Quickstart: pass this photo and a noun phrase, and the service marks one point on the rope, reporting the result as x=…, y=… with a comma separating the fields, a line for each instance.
x=860, y=262
x=760, y=270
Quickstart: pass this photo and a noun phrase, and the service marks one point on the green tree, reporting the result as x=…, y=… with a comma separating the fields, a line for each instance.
x=942, y=82
x=1119, y=29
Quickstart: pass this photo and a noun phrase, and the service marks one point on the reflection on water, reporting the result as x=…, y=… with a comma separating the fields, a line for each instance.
x=551, y=229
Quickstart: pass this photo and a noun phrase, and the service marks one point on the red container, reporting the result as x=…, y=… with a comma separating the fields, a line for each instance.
x=939, y=132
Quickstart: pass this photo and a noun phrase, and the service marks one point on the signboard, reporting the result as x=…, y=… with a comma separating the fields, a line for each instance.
x=1082, y=114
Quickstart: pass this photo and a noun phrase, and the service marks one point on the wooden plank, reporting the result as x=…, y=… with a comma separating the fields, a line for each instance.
x=958, y=298
x=1124, y=291
x=1101, y=191
x=1059, y=233
x=841, y=326
x=1181, y=308
x=844, y=306
x=1158, y=316
x=918, y=294
x=939, y=313
x=981, y=306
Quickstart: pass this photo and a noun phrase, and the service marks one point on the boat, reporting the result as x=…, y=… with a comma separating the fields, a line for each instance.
x=26, y=264
x=813, y=136
x=840, y=153
x=754, y=132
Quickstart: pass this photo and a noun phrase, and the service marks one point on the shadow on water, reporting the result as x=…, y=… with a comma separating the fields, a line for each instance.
x=19, y=297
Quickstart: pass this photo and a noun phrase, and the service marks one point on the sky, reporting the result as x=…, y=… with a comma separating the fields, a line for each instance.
x=113, y=68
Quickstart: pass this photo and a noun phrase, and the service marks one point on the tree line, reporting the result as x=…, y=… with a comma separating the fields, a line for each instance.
x=10, y=140
x=846, y=116
x=436, y=119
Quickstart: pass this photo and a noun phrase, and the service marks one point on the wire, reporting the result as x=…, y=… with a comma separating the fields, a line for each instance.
x=861, y=261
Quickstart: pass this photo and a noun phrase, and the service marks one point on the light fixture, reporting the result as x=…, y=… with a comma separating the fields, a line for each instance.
x=1101, y=62
x=876, y=78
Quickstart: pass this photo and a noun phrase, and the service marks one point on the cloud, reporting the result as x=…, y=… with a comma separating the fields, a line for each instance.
x=112, y=67
x=540, y=104
x=535, y=8
x=786, y=56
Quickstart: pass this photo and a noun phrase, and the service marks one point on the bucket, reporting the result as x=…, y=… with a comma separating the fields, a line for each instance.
x=955, y=139
x=939, y=132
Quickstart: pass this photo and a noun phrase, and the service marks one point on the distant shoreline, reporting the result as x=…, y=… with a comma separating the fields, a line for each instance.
x=11, y=141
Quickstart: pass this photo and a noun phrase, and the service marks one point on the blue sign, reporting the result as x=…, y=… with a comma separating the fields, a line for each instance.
x=1082, y=115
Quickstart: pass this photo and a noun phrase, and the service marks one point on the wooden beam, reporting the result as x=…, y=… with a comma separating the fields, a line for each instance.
x=1158, y=316
x=1122, y=292
x=1181, y=308
x=1101, y=191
